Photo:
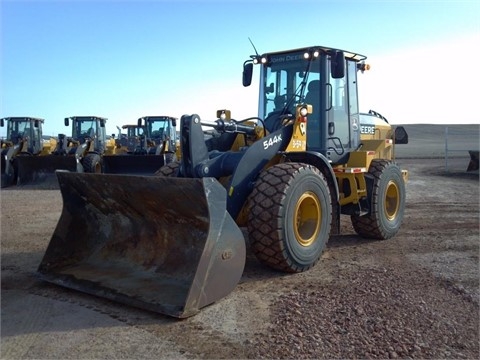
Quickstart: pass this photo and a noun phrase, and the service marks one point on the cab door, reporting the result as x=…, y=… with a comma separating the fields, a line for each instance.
x=342, y=109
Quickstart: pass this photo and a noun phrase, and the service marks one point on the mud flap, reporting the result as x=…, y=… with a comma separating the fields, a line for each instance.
x=41, y=169
x=132, y=164
x=158, y=243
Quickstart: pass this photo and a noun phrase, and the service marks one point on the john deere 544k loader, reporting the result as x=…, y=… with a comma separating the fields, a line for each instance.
x=173, y=244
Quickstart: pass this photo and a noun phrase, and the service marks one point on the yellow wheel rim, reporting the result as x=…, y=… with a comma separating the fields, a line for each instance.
x=307, y=219
x=392, y=200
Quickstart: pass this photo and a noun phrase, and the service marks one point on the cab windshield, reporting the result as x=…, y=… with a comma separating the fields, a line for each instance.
x=288, y=80
x=158, y=128
x=18, y=129
x=134, y=131
x=84, y=126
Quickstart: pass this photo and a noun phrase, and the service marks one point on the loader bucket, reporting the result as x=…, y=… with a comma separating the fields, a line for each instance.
x=158, y=243
x=41, y=169
x=132, y=164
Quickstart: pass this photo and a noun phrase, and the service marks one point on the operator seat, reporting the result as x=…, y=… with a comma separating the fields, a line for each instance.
x=313, y=125
x=313, y=95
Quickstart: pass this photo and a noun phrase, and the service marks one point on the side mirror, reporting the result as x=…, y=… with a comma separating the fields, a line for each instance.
x=338, y=65
x=174, y=122
x=102, y=123
x=139, y=122
x=401, y=136
x=2, y=122
x=36, y=123
x=247, y=73
x=66, y=122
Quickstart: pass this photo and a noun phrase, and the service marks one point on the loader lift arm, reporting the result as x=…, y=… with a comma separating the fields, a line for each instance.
x=244, y=166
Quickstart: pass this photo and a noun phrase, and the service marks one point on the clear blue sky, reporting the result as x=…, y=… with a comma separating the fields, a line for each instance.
x=127, y=59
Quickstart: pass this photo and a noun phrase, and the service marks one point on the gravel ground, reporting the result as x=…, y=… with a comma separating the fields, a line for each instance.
x=382, y=313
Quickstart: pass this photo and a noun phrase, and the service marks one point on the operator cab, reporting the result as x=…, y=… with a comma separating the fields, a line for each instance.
x=322, y=77
x=27, y=129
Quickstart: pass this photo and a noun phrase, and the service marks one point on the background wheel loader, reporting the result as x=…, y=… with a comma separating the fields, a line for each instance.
x=82, y=152
x=173, y=244
x=150, y=144
x=24, y=138
x=131, y=142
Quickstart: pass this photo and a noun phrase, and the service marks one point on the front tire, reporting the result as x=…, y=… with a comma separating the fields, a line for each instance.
x=290, y=216
x=92, y=163
x=170, y=169
x=387, y=202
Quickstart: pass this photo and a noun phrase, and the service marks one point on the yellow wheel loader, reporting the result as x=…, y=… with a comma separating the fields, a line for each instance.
x=173, y=243
x=82, y=152
x=24, y=139
x=150, y=144
x=131, y=141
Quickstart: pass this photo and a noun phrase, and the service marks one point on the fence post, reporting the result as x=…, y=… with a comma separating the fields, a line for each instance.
x=446, y=148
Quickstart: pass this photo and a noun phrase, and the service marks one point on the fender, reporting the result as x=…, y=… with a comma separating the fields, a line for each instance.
x=252, y=163
x=320, y=162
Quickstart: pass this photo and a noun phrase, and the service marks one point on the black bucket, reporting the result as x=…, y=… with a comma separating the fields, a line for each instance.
x=132, y=164
x=34, y=170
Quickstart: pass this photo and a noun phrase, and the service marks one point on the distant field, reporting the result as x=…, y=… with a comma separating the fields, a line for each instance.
x=427, y=140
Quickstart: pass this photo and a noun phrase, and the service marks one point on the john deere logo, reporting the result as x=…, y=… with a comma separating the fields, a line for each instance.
x=367, y=129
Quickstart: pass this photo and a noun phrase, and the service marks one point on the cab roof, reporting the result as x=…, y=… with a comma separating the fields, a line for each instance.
x=324, y=49
x=24, y=118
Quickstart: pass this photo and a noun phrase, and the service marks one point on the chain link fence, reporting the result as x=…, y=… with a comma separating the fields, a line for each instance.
x=449, y=144
x=461, y=141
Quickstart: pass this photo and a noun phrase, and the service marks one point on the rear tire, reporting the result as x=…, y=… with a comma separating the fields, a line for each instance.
x=170, y=169
x=387, y=202
x=92, y=163
x=290, y=216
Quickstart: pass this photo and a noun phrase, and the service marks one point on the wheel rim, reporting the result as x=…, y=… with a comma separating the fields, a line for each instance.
x=307, y=219
x=392, y=200
x=98, y=168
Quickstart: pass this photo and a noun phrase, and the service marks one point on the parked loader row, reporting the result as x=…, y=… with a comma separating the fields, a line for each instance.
x=173, y=243
x=29, y=158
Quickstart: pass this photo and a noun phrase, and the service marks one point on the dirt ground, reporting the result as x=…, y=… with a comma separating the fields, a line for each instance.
x=414, y=296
